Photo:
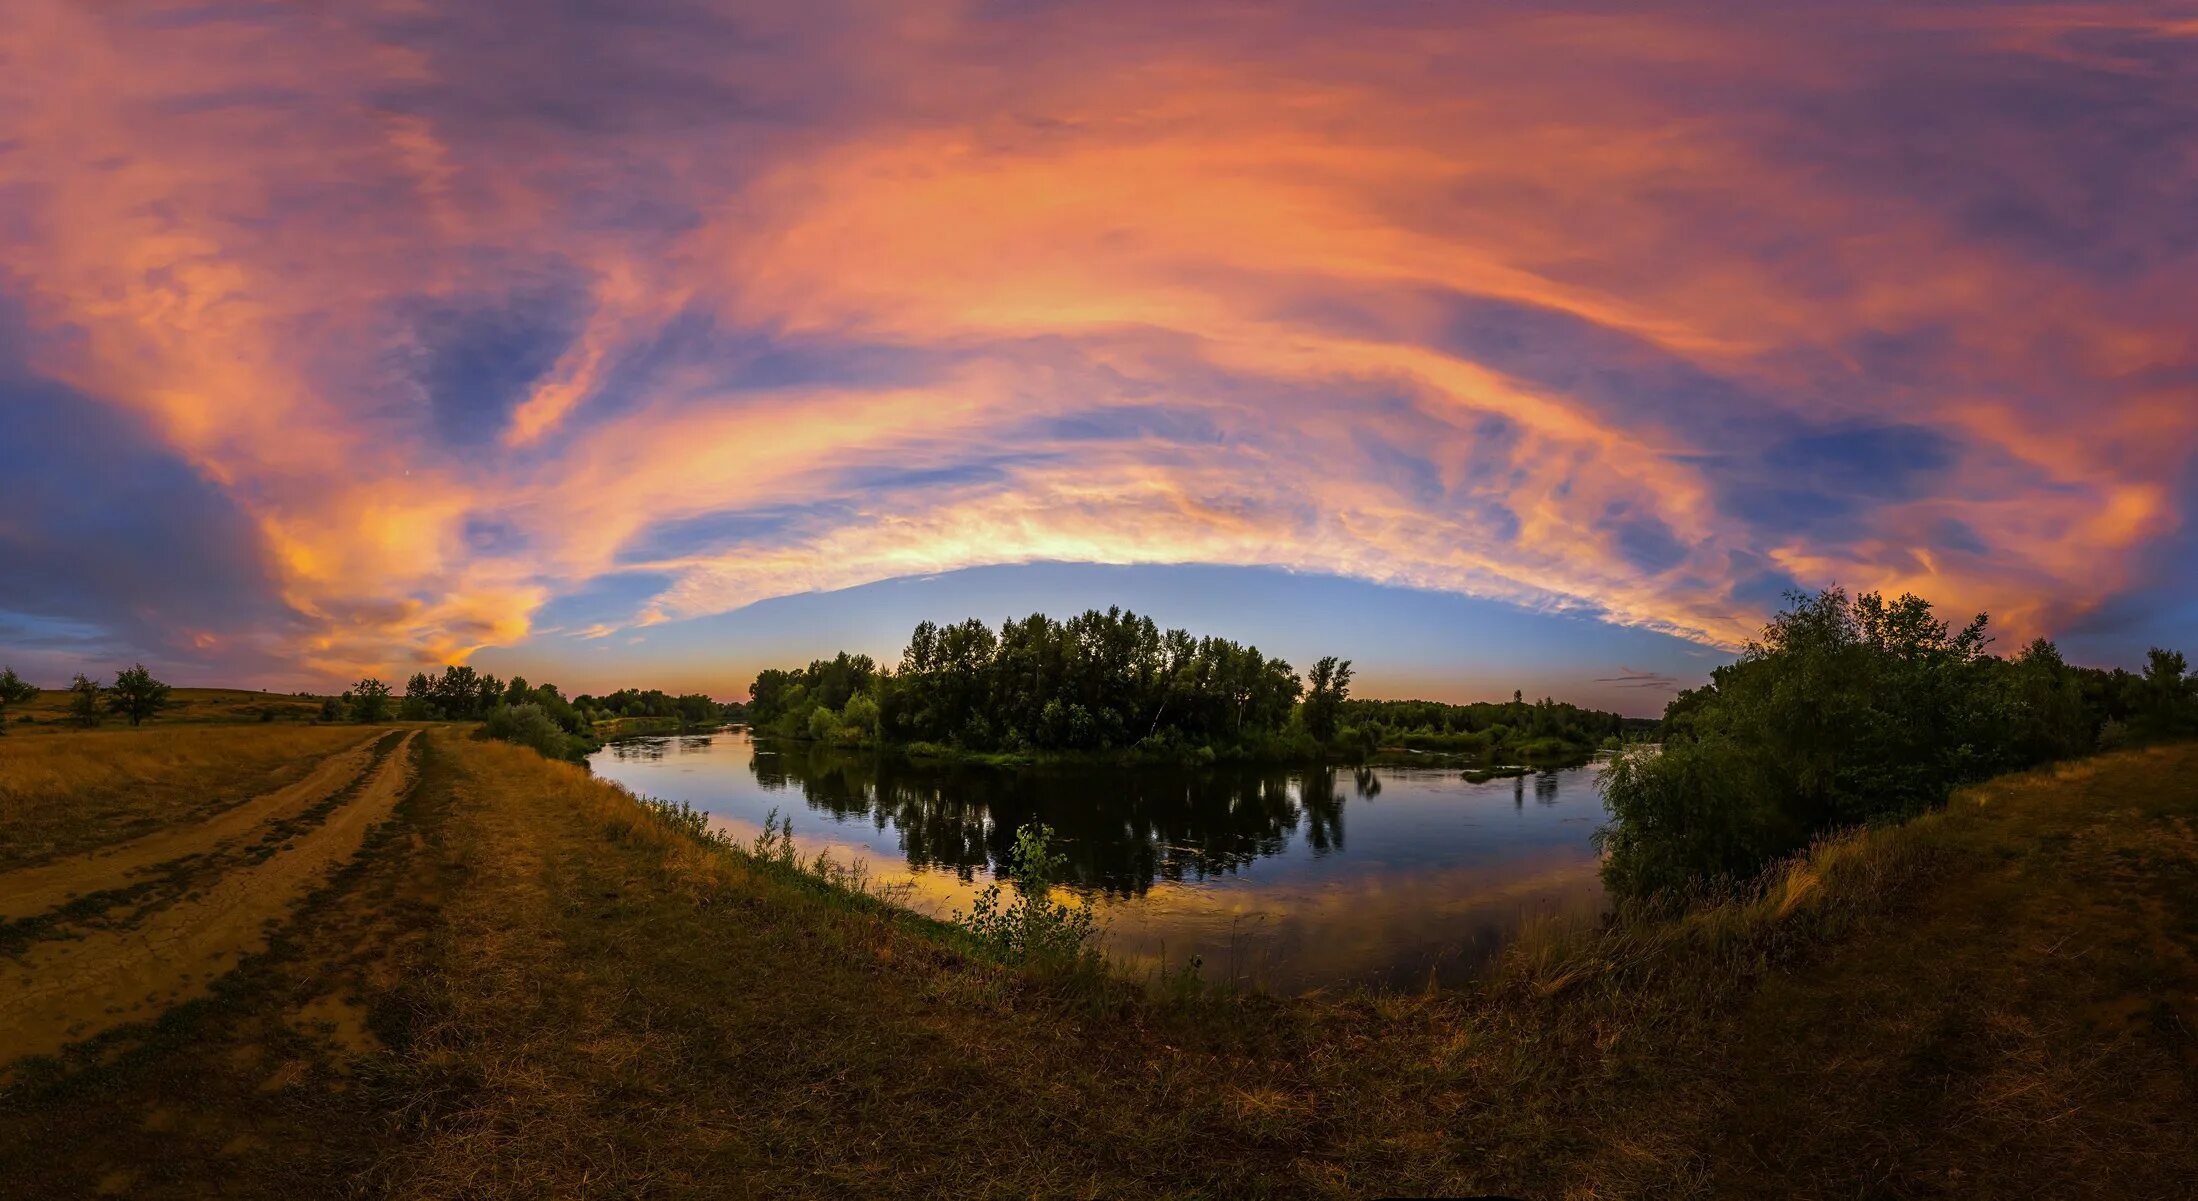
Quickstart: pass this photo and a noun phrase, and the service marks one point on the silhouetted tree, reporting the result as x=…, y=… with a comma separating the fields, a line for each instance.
x=1328, y=685
x=84, y=701
x=136, y=695
x=369, y=700
x=2169, y=705
x=13, y=690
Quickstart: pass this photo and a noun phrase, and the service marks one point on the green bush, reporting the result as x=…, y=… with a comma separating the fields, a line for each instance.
x=529, y=725
x=1029, y=928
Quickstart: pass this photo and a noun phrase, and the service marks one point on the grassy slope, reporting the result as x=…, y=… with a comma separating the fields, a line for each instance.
x=2033, y=1026
x=569, y=999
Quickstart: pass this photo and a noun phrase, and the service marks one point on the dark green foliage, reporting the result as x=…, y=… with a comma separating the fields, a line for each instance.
x=84, y=701
x=1851, y=711
x=530, y=725
x=458, y=694
x=331, y=709
x=13, y=690
x=1512, y=731
x=369, y=700
x=691, y=710
x=1096, y=682
x=136, y=695
x=1327, y=688
x=1029, y=927
x=1113, y=682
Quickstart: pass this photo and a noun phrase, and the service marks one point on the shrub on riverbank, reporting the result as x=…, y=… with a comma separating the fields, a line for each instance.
x=530, y=726
x=1850, y=712
x=1029, y=927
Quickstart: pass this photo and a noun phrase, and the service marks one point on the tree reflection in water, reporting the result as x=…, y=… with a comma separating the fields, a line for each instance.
x=1122, y=828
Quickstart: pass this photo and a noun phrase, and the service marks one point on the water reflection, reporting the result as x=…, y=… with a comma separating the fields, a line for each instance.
x=1293, y=878
x=1122, y=830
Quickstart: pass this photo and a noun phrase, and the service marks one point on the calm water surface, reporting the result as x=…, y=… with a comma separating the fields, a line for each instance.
x=1292, y=879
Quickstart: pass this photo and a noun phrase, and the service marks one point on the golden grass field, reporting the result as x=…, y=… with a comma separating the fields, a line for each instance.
x=523, y=984
x=65, y=792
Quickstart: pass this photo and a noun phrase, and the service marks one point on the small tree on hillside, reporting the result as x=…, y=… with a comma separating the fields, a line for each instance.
x=136, y=694
x=84, y=708
x=369, y=700
x=14, y=689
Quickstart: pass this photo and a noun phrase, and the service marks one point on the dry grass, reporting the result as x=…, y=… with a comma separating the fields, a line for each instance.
x=585, y=1000
x=66, y=792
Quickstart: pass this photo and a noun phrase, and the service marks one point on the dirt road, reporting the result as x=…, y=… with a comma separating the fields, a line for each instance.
x=35, y=890
x=63, y=990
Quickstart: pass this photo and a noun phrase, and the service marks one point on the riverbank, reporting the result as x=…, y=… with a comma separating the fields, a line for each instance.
x=1279, y=752
x=642, y=727
x=527, y=984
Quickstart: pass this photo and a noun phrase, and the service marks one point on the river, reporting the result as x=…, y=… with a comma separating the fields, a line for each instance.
x=1290, y=879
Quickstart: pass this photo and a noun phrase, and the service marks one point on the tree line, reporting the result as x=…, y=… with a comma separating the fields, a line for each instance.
x=1516, y=730
x=135, y=696
x=537, y=714
x=1851, y=710
x=1106, y=681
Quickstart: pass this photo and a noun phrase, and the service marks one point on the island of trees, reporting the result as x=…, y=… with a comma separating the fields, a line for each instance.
x=1113, y=683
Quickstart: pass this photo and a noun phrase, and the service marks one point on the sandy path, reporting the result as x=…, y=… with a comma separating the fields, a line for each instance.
x=34, y=890
x=64, y=991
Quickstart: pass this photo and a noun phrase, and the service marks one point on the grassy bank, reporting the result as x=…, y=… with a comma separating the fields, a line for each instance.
x=543, y=988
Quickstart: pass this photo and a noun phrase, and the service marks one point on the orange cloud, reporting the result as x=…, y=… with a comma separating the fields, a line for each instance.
x=1594, y=313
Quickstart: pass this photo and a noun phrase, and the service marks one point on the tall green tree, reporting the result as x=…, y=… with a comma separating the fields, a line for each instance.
x=2170, y=705
x=1328, y=685
x=136, y=695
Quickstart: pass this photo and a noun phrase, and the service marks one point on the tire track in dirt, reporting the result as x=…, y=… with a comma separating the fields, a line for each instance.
x=31, y=891
x=65, y=991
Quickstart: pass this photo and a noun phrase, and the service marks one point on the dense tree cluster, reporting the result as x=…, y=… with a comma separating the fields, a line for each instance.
x=1851, y=710
x=1105, y=681
x=690, y=709
x=1514, y=730
x=1097, y=681
x=455, y=694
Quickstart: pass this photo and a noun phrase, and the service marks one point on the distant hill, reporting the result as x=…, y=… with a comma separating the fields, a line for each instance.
x=51, y=706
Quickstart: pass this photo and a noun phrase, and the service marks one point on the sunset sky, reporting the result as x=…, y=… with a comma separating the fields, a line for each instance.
x=1493, y=346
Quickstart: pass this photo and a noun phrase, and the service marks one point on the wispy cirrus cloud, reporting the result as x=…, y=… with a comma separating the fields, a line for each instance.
x=483, y=322
x=1628, y=677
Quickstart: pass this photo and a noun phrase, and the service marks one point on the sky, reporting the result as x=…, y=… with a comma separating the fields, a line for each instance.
x=1541, y=346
